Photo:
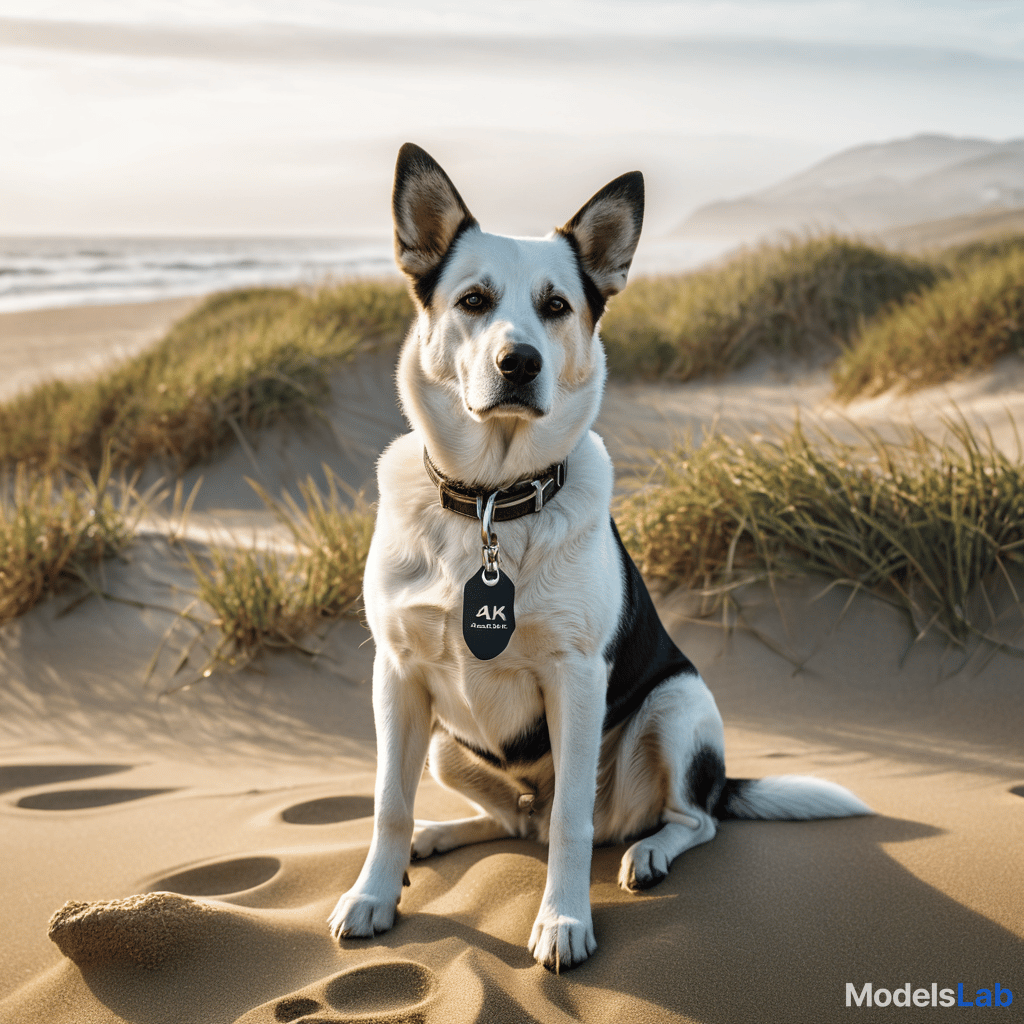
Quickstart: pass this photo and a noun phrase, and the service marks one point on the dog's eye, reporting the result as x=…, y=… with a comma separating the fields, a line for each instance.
x=474, y=302
x=556, y=306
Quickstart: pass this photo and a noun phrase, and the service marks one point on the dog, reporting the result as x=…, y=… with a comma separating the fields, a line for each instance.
x=515, y=639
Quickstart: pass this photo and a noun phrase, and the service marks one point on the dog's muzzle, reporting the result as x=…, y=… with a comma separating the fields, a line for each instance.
x=515, y=391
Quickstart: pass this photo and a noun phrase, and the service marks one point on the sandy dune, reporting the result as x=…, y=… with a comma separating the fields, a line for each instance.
x=247, y=799
x=43, y=344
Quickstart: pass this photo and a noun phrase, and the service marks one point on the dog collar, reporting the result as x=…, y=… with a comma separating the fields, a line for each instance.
x=520, y=499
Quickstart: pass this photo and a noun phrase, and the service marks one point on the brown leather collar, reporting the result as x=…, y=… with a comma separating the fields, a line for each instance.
x=519, y=499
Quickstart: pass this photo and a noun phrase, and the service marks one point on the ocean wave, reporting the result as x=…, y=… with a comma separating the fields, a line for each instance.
x=39, y=273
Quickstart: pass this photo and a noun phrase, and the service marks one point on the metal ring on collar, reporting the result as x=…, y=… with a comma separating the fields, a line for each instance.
x=485, y=519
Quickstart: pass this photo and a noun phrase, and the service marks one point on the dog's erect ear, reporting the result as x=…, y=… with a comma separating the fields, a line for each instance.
x=606, y=230
x=429, y=215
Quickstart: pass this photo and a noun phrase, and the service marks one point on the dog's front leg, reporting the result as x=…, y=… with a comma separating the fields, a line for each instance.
x=402, y=715
x=574, y=703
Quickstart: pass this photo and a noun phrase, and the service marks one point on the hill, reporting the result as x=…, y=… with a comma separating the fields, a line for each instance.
x=873, y=189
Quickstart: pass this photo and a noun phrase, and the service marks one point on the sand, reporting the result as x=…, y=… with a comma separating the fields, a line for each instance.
x=43, y=344
x=171, y=853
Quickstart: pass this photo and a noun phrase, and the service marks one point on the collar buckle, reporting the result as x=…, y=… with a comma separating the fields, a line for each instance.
x=538, y=498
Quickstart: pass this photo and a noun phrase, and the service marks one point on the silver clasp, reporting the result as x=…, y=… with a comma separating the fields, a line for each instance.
x=489, y=539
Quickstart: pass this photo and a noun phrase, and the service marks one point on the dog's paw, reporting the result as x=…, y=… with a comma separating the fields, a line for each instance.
x=644, y=864
x=559, y=942
x=360, y=916
x=430, y=837
x=425, y=839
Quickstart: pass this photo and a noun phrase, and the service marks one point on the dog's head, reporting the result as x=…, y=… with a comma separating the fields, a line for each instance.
x=504, y=370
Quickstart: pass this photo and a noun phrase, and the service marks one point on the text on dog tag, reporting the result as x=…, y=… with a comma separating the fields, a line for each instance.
x=488, y=615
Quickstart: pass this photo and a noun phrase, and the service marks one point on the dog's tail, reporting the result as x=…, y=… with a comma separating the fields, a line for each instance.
x=786, y=797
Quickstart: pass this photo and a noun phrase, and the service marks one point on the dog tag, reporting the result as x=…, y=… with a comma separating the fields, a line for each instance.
x=488, y=615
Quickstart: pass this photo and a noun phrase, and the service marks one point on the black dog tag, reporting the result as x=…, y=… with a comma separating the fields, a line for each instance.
x=488, y=615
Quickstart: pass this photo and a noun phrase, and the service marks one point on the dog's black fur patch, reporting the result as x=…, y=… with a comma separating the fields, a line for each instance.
x=529, y=746
x=526, y=748
x=709, y=788
x=705, y=778
x=732, y=788
x=641, y=653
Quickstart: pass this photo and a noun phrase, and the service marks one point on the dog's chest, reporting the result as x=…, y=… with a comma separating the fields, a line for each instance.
x=553, y=604
x=421, y=621
x=424, y=620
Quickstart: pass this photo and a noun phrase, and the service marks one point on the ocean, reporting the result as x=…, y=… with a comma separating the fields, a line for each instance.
x=39, y=273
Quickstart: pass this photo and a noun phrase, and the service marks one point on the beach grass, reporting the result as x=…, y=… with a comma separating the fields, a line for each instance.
x=56, y=529
x=240, y=361
x=924, y=524
x=804, y=298
x=257, y=601
x=332, y=531
x=261, y=598
x=964, y=323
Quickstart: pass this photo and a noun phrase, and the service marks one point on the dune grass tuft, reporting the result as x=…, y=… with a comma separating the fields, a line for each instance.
x=795, y=299
x=333, y=532
x=241, y=360
x=964, y=323
x=54, y=530
x=262, y=599
x=922, y=523
x=258, y=603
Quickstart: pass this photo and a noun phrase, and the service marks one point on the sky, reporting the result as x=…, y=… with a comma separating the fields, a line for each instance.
x=283, y=117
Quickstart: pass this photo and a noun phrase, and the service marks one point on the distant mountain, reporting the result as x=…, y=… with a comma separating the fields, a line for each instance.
x=873, y=189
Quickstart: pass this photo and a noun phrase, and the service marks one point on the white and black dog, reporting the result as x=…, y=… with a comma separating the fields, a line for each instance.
x=514, y=636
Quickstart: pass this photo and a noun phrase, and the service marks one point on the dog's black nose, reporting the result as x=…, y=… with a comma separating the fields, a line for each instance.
x=519, y=364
